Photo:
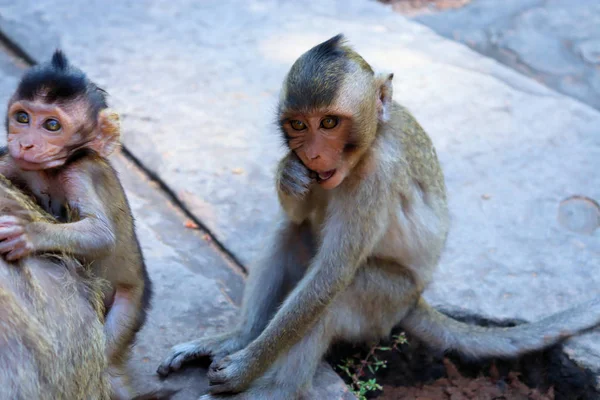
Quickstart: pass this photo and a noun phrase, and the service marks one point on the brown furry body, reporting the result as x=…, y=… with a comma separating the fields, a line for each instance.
x=51, y=337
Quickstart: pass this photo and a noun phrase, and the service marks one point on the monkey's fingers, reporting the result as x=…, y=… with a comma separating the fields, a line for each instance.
x=181, y=354
x=11, y=244
x=8, y=232
x=221, y=384
x=225, y=377
x=10, y=220
x=171, y=364
x=217, y=373
x=17, y=254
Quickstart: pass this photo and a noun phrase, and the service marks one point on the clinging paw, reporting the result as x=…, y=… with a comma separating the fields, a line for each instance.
x=15, y=242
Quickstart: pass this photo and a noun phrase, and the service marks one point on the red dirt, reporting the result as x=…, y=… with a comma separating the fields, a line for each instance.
x=457, y=387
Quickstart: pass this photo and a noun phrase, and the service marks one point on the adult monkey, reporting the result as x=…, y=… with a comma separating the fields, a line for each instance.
x=51, y=312
x=52, y=342
x=366, y=222
x=60, y=133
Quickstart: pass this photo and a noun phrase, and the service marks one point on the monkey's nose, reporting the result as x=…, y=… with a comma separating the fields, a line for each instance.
x=26, y=146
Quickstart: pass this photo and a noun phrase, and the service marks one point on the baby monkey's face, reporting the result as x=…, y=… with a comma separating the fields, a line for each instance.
x=40, y=135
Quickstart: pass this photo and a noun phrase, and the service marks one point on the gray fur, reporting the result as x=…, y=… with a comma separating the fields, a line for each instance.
x=324, y=64
x=352, y=262
x=444, y=332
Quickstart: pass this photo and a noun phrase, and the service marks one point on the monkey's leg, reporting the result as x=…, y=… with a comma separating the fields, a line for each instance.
x=274, y=276
x=282, y=265
x=122, y=321
x=380, y=295
x=290, y=376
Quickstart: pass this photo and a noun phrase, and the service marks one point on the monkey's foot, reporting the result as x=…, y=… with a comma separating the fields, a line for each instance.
x=215, y=347
x=233, y=373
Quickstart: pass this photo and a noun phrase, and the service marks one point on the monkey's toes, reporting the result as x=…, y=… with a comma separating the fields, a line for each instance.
x=181, y=354
x=216, y=367
x=171, y=364
x=163, y=369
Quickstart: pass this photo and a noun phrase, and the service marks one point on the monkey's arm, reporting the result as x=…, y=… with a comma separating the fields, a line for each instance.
x=293, y=182
x=92, y=235
x=356, y=223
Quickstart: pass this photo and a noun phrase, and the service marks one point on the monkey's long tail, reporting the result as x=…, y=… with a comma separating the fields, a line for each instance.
x=444, y=332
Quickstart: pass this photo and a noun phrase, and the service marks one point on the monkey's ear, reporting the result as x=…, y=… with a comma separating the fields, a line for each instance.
x=108, y=134
x=384, y=96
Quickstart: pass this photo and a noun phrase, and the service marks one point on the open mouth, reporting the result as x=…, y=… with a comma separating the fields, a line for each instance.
x=323, y=176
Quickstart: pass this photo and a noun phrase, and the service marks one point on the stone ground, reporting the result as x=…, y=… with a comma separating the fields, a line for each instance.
x=196, y=84
x=556, y=42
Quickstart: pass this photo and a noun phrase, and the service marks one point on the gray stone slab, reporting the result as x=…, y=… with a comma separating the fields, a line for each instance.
x=197, y=82
x=553, y=41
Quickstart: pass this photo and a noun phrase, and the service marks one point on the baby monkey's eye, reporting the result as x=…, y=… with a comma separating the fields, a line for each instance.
x=52, y=125
x=297, y=125
x=329, y=122
x=22, y=117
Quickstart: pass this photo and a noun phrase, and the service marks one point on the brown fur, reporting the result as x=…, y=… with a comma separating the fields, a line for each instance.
x=68, y=174
x=51, y=312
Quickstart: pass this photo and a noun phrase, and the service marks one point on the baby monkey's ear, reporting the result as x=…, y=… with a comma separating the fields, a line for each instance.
x=108, y=133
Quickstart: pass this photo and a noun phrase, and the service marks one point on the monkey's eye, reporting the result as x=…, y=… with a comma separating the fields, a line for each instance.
x=297, y=125
x=51, y=125
x=22, y=117
x=329, y=122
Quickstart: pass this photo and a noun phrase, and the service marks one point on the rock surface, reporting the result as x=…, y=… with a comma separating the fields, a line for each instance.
x=197, y=83
x=556, y=42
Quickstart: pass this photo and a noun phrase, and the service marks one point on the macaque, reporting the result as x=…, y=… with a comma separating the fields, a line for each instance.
x=51, y=336
x=365, y=222
x=60, y=133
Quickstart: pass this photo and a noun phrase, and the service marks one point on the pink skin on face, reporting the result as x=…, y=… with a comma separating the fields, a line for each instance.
x=31, y=145
x=321, y=149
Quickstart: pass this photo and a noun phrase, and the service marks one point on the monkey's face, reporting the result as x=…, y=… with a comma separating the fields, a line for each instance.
x=40, y=135
x=320, y=139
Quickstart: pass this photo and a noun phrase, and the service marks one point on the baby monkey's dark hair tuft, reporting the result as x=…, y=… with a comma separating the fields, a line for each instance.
x=59, y=82
x=59, y=60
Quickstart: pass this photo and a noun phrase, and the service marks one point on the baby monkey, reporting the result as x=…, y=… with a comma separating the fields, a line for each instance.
x=365, y=222
x=60, y=132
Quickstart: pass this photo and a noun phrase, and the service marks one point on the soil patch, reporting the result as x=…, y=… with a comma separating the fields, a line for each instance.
x=413, y=371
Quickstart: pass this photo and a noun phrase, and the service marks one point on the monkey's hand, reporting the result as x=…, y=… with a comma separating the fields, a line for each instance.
x=216, y=347
x=15, y=241
x=235, y=372
x=293, y=178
